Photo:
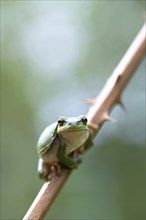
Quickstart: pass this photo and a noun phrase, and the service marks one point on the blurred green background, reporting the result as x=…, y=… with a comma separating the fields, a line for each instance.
x=53, y=55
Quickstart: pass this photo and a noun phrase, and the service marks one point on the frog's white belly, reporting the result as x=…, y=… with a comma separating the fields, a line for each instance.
x=74, y=139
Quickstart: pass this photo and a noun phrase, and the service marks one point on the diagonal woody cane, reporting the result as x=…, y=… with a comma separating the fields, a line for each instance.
x=98, y=113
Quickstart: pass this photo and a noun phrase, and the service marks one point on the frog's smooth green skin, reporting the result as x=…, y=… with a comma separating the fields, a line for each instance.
x=58, y=144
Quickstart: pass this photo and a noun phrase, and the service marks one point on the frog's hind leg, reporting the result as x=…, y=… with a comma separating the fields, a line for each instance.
x=45, y=170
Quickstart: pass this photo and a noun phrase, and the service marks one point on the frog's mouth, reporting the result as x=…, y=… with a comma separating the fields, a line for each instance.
x=68, y=130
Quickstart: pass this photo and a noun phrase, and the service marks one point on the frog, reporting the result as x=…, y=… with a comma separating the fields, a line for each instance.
x=59, y=144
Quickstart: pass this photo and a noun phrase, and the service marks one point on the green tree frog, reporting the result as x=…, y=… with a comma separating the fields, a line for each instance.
x=58, y=144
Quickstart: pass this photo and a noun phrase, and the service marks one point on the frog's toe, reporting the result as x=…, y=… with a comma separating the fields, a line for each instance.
x=78, y=160
x=45, y=175
x=41, y=174
x=51, y=173
x=57, y=168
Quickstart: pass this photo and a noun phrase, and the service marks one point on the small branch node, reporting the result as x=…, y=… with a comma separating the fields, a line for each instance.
x=93, y=126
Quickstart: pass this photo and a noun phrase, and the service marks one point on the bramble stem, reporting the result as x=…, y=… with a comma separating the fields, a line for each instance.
x=98, y=113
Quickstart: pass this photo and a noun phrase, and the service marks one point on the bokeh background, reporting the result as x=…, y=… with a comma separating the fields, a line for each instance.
x=53, y=55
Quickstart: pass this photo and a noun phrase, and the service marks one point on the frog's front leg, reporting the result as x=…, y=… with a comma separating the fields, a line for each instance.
x=67, y=161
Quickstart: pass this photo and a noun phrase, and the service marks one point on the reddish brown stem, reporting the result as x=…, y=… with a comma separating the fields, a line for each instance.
x=97, y=114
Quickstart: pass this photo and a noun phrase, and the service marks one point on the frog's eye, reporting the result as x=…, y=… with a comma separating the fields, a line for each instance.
x=84, y=120
x=61, y=122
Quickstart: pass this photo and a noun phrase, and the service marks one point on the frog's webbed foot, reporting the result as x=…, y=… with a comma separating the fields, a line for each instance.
x=52, y=171
x=68, y=161
x=46, y=171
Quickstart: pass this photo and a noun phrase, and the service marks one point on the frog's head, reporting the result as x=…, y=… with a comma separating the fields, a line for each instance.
x=73, y=131
x=76, y=123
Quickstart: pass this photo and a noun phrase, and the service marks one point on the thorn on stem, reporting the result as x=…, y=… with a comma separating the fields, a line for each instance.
x=106, y=117
x=120, y=102
x=89, y=101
